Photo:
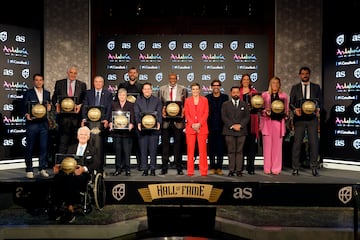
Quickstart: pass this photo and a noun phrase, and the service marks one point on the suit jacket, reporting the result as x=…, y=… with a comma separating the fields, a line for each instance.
x=61, y=91
x=296, y=97
x=215, y=122
x=265, y=120
x=181, y=95
x=128, y=106
x=88, y=159
x=129, y=89
x=142, y=106
x=105, y=102
x=30, y=97
x=232, y=115
x=196, y=114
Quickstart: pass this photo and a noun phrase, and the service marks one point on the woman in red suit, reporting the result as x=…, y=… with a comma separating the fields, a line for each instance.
x=272, y=126
x=196, y=110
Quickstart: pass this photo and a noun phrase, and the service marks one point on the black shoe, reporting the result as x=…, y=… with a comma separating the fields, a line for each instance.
x=127, y=173
x=231, y=174
x=145, y=173
x=116, y=173
x=239, y=174
x=139, y=167
x=295, y=172
x=163, y=172
x=251, y=172
x=180, y=172
x=152, y=172
x=315, y=173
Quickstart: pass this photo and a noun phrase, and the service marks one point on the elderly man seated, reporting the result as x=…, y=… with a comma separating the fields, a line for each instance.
x=71, y=177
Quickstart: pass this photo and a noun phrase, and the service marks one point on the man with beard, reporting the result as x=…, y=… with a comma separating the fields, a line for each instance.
x=309, y=122
x=235, y=115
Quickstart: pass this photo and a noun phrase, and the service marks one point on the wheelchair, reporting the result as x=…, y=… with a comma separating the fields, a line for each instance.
x=91, y=191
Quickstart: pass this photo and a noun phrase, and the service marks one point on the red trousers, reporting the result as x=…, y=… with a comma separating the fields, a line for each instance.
x=203, y=162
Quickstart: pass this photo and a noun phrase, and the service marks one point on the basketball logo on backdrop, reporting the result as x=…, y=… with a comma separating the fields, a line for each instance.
x=340, y=39
x=159, y=77
x=172, y=45
x=111, y=45
x=222, y=77
x=234, y=45
x=25, y=73
x=203, y=45
x=345, y=194
x=118, y=191
x=190, y=77
x=141, y=45
x=3, y=36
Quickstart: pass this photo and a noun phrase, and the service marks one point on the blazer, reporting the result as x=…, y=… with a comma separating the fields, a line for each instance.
x=141, y=106
x=105, y=102
x=136, y=89
x=30, y=97
x=181, y=95
x=215, y=122
x=199, y=112
x=128, y=106
x=60, y=90
x=265, y=120
x=88, y=159
x=232, y=115
x=254, y=119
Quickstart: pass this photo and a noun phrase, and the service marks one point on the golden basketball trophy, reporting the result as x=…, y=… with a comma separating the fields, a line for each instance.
x=173, y=109
x=37, y=111
x=121, y=120
x=278, y=108
x=67, y=104
x=94, y=116
x=257, y=101
x=148, y=121
x=308, y=106
x=131, y=97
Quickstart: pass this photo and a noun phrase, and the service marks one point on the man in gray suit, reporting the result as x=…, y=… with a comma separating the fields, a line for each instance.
x=172, y=126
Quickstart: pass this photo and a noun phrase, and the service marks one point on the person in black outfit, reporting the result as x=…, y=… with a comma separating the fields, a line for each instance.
x=305, y=122
x=216, y=141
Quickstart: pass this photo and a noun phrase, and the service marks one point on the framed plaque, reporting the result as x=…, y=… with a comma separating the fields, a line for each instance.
x=173, y=109
x=67, y=104
x=308, y=106
x=131, y=97
x=94, y=113
x=37, y=110
x=121, y=120
x=149, y=121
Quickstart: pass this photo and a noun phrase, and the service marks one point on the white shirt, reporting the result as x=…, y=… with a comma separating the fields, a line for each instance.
x=39, y=94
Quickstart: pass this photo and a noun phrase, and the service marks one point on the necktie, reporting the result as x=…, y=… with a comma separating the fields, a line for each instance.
x=70, y=91
x=236, y=104
x=81, y=151
x=305, y=90
x=97, y=99
x=171, y=94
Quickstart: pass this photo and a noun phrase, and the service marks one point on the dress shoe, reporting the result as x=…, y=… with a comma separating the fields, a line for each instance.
x=163, y=172
x=139, y=168
x=295, y=172
x=251, y=172
x=180, y=172
x=145, y=173
x=116, y=173
x=127, y=173
x=219, y=172
x=231, y=174
x=152, y=172
x=239, y=174
x=212, y=171
x=315, y=173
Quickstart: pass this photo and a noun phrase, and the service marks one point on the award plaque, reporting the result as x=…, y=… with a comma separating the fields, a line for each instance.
x=173, y=109
x=131, y=97
x=308, y=106
x=121, y=120
x=94, y=113
x=257, y=101
x=148, y=121
x=37, y=110
x=67, y=104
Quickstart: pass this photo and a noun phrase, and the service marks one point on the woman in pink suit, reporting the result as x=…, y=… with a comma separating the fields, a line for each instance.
x=196, y=110
x=272, y=126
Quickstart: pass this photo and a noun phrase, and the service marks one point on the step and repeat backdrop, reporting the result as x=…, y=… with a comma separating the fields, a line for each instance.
x=20, y=59
x=341, y=135
x=194, y=58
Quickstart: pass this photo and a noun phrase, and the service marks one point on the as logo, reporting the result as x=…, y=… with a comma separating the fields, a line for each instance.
x=8, y=107
x=242, y=193
x=8, y=142
x=339, y=143
x=20, y=38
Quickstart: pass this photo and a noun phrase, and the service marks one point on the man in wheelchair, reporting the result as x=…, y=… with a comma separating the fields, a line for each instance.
x=72, y=176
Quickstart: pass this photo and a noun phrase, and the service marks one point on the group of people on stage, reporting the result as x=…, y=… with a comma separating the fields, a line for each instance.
x=212, y=124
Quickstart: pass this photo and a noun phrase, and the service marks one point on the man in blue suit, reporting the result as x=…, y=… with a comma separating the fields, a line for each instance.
x=148, y=138
x=36, y=105
x=98, y=96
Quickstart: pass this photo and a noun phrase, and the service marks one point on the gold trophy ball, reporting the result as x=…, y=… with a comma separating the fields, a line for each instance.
x=38, y=111
x=94, y=114
x=68, y=165
x=308, y=107
x=121, y=121
x=131, y=98
x=277, y=106
x=148, y=121
x=172, y=109
x=67, y=105
x=257, y=101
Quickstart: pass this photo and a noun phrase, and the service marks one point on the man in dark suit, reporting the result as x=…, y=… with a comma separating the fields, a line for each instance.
x=172, y=127
x=68, y=122
x=98, y=97
x=235, y=114
x=302, y=121
x=68, y=186
x=148, y=138
x=36, y=105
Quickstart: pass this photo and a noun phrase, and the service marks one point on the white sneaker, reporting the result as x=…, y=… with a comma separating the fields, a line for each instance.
x=29, y=174
x=43, y=173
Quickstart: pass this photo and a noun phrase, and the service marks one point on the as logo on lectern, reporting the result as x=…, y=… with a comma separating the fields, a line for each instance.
x=243, y=193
